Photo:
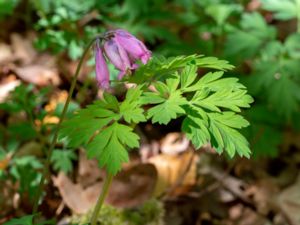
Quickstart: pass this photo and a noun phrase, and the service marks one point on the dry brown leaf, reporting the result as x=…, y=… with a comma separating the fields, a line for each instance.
x=38, y=74
x=75, y=197
x=289, y=202
x=174, y=143
x=4, y=163
x=50, y=119
x=131, y=187
x=254, y=5
x=175, y=170
x=7, y=87
x=261, y=192
x=57, y=98
x=6, y=54
x=249, y=217
x=88, y=170
x=23, y=49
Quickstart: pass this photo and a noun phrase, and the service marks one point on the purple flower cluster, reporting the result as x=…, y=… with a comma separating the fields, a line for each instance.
x=122, y=49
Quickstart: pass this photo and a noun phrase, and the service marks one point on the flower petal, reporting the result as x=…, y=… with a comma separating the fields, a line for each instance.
x=117, y=54
x=135, y=48
x=102, y=73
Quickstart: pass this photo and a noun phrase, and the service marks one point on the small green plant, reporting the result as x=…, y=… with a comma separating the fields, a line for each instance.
x=208, y=105
x=162, y=89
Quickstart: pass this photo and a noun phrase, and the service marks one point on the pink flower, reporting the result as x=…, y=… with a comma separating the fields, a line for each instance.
x=134, y=47
x=118, y=56
x=122, y=49
x=102, y=73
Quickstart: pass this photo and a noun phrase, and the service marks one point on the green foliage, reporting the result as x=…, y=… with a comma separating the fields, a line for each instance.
x=28, y=220
x=283, y=10
x=62, y=160
x=248, y=40
x=149, y=213
x=24, y=170
x=209, y=105
x=7, y=7
x=98, y=129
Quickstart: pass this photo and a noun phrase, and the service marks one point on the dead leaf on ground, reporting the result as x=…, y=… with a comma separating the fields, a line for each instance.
x=6, y=54
x=179, y=170
x=174, y=143
x=22, y=49
x=38, y=75
x=88, y=170
x=74, y=195
x=250, y=217
x=131, y=187
x=7, y=87
x=261, y=192
x=289, y=202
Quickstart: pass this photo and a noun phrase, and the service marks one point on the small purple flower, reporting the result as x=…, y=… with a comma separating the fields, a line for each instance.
x=123, y=50
x=118, y=56
x=134, y=47
x=102, y=73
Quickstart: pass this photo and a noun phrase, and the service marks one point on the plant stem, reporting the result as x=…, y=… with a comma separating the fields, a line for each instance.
x=101, y=198
x=54, y=140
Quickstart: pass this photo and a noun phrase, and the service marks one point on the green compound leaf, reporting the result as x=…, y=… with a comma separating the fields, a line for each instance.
x=252, y=36
x=206, y=119
x=130, y=108
x=160, y=66
x=96, y=127
x=170, y=101
x=62, y=160
x=109, y=146
x=225, y=137
x=283, y=10
x=169, y=88
x=86, y=122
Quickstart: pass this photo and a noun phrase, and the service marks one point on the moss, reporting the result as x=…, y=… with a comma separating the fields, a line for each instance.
x=150, y=213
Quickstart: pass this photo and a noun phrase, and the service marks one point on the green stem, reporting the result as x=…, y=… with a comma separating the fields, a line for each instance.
x=54, y=140
x=101, y=198
x=298, y=16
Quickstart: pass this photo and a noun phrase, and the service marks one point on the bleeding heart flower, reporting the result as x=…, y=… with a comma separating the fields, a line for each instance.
x=122, y=49
x=134, y=47
x=102, y=73
x=118, y=56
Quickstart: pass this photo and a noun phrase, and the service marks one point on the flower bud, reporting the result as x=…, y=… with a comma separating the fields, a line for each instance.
x=102, y=73
x=118, y=56
x=134, y=47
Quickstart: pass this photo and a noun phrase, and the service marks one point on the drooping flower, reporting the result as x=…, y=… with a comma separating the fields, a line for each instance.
x=122, y=49
x=118, y=56
x=134, y=47
x=102, y=73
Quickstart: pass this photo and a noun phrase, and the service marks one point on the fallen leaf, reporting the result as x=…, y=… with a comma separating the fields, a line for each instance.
x=38, y=75
x=6, y=88
x=131, y=187
x=73, y=194
x=289, y=202
x=22, y=49
x=174, y=143
x=6, y=54
x=88, y=170
x=177, y=172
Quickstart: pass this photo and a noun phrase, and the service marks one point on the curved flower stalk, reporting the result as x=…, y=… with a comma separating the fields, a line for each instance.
x=123, y=50
x=102, y=73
